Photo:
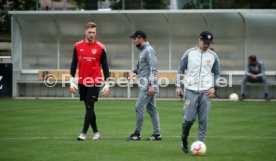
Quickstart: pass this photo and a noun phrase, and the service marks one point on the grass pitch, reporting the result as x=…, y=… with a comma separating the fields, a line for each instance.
x=46, y=130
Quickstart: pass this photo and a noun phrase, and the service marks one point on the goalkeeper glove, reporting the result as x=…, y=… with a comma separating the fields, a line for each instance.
x=105, y=90
x=73, y=86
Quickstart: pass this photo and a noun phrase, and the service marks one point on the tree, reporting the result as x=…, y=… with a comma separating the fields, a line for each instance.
x=155, y=4
x=140, y=4
x=91, y=4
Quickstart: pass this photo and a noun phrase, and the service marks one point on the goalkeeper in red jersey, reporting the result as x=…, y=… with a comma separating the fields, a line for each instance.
x=90, y=57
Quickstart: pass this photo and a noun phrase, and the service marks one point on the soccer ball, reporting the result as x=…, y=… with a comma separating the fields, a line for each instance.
x=233, y=97
x=198, y=148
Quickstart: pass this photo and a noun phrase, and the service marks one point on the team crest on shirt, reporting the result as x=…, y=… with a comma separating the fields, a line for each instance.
x=208, y=62
x=187, y=103
x=94, y=51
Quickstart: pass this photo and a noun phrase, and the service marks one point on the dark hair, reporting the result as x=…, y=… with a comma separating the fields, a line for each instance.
x=139, y=34
x=252, y=58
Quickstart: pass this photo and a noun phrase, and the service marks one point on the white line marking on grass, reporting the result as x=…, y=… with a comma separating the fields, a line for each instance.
x=34, y=138
x=119, y=137
x=229, y=137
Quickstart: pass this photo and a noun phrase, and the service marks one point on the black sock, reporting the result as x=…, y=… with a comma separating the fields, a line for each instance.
x=87, y=119
x=91, y=116
x=186, y=126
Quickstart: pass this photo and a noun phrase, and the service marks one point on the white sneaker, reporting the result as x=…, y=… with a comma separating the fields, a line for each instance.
x=96, y=136
x=81, y=137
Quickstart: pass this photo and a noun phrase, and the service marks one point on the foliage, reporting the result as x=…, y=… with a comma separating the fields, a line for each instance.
x=230, y=4
x=140, y=4
x=155, y=4
x=5, y=19
x=80, y=4
x=5, y=23
x=132, y=4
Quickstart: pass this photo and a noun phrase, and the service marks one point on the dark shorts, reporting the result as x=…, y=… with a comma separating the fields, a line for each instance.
x=89, y=93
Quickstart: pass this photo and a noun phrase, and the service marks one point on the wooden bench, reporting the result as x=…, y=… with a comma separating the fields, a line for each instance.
x=35, y=81
x=234, y=76
x=64, y=75
x=254, y=90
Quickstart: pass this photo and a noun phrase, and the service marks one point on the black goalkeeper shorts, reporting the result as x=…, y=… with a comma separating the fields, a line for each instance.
x=89, y=93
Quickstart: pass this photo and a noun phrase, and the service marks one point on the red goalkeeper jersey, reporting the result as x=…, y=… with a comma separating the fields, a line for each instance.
x=90, y=58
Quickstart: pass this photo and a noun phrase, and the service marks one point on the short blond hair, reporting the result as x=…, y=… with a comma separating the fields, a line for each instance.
x=90, y=25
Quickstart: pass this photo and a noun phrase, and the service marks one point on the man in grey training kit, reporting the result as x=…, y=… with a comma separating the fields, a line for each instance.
x=146, y=70
x=255, y=73
x=201, y=67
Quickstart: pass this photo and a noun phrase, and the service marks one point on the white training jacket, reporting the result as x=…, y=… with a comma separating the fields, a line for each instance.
x=201, y=67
